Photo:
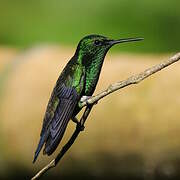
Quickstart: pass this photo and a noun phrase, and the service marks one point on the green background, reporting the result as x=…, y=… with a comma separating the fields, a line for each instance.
x=25, y=23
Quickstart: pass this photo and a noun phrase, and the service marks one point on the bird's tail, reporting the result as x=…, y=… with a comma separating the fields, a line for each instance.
x=39, y=147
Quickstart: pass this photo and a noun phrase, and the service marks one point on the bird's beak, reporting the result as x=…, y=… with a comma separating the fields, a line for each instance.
x=112, y=42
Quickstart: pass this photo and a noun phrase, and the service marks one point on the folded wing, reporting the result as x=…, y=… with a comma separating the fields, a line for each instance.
x=59, y=111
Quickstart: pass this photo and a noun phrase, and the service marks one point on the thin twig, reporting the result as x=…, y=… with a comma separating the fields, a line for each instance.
x=93, y=100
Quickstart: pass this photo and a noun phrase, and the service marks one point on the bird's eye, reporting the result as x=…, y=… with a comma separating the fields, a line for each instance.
x=97, y=42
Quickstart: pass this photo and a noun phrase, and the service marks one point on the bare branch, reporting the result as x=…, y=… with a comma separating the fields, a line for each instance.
x=42, y=171
x=93, y=100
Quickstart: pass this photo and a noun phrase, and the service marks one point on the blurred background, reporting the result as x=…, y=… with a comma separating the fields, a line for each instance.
x=131, y=134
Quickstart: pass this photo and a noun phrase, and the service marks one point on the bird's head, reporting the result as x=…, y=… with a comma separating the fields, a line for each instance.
x=92, y=46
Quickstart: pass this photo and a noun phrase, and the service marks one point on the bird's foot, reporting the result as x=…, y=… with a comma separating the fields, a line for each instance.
x=80, y=127
x=84, y=98
x=75, y=120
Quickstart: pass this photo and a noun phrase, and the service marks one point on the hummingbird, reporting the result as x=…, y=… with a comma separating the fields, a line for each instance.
x=76, y=83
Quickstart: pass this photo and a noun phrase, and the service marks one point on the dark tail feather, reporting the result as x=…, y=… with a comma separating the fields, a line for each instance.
x=40, y=145
x=52, y=143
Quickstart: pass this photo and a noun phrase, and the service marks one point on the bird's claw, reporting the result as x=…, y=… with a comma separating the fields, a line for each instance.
x=75, y=120
x=84, y=98
x=80, y=127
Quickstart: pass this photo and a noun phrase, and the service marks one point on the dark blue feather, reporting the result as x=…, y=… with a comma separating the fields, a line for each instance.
x=55, y=123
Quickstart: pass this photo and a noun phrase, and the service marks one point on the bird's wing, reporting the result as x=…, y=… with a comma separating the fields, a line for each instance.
x=59, y=111
x=68, y=99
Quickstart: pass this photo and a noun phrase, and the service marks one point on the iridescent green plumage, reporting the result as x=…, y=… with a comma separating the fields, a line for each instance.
x=79, y=78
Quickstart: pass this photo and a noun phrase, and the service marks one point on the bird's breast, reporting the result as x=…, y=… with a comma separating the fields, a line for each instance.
x=92, y=77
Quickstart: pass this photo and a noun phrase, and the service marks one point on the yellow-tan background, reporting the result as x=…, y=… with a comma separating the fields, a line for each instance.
x=131, y=133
